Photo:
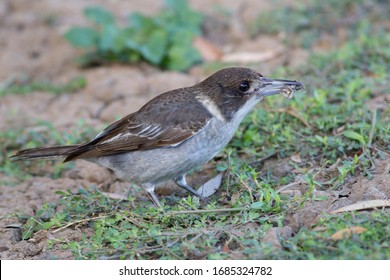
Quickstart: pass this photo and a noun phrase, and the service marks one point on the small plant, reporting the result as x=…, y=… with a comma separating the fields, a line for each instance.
x=164, y=40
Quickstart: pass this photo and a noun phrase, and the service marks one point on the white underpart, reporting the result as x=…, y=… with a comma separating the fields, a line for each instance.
x=211, y=107
x=244, y=110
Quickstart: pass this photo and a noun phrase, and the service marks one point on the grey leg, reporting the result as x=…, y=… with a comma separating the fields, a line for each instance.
x=182, y=183
x=149, y=188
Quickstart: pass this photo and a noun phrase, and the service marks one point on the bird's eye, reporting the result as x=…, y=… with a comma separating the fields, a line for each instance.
x=244, y=86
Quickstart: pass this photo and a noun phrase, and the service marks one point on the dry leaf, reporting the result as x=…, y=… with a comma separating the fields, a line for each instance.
x=362, y=205
x=296, y=158
x=114, y=196
x=211, y=186
x=225, y=248
x=347, y=232
x=207, y=50
x=249, y=57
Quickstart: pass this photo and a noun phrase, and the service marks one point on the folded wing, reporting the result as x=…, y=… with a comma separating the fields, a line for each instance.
x=154, y=125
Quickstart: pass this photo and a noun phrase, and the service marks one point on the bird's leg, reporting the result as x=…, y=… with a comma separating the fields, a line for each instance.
x=182, y=183
x=149, y=188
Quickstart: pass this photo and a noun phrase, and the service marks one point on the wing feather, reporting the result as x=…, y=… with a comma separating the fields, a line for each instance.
x=153, y=126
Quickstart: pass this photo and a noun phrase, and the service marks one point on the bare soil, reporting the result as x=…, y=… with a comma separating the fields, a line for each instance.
x=32, y=45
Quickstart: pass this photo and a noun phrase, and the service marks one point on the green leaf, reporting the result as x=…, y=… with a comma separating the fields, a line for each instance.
x=258, y=205
x=47, y=225
x=181, y=54
x=82, y=37
x=110, y=39
x=99, y=15
x=155, y=46
x=178, y=16
x=354, y=136
x=148, y=38
x=164, y=40
x=177, y=5
x=140, y=22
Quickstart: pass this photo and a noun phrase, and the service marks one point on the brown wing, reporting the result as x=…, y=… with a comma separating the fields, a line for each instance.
x=164, y=121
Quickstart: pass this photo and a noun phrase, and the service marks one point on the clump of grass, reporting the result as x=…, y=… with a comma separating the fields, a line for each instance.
x=14, y=86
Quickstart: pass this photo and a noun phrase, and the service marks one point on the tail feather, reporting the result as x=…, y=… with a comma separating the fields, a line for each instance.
x=42, y=153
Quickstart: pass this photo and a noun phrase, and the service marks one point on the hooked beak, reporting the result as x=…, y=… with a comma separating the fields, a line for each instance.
x=276, y=86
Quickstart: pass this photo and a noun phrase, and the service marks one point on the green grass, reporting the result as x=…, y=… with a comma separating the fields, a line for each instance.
x=330, y=124
x=24, y=87
x=121, y=231
x=306, y=22
x=317, y=244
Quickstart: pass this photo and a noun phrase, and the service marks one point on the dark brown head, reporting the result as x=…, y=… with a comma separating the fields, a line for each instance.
x=237, y=89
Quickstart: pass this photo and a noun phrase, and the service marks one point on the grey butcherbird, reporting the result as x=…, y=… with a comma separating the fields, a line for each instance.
x=174, y=132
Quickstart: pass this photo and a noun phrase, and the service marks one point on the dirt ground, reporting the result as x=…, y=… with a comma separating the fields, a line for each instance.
x=31, y=47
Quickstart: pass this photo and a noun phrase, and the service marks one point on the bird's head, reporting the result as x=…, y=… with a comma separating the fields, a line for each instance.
x=233, y=92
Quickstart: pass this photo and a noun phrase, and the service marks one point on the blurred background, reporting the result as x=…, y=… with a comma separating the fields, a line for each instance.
x=119, y=49
x=69, y=68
